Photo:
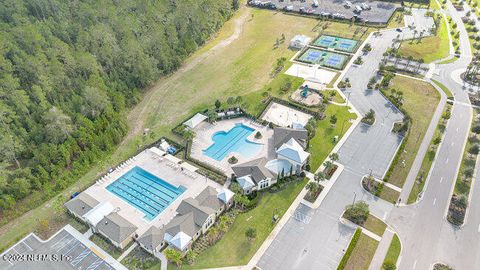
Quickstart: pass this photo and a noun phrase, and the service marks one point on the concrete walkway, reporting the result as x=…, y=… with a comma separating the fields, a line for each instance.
x=163, y=259
x=382, y=250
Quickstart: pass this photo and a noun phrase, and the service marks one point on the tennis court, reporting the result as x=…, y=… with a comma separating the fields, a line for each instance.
x=337, y=43
x=323, y=58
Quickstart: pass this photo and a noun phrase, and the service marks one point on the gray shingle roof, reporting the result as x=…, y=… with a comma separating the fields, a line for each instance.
x=152, y=238
x=116, y=227
x=282, y=135
x=182, y=223
x=200, y=213
x=209, y=198
x=255, y=168
x=81, y=204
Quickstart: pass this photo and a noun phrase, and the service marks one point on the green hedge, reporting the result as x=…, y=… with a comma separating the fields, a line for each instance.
x=350, y=248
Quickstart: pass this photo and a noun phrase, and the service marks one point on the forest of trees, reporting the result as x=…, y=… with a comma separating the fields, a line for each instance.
x=69, y=70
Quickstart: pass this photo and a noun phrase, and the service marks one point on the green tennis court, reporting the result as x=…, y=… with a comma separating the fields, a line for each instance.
x=337, y=43
x=323, y=58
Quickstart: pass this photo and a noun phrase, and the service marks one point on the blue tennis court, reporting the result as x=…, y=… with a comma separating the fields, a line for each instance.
x=338, y=43
x=323, y=58
x=145, y=191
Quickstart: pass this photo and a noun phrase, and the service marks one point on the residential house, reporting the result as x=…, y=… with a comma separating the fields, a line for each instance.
x=117, y=229
x=253, y=175
x=81, y=204
x=152, y=240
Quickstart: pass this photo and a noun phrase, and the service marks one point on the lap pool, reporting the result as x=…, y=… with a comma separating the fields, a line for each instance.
x=145, y=191
x=234, y=140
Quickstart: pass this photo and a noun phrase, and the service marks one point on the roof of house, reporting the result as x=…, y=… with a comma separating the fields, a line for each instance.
x=81, y=204
x=278, y=165
x=209, y=198
x=282, y=135
x=246, y=182
x=116, y=227
x=225, y=195
x=152, y=238
x=180, y=240
x=182, y=223
x=255, y=168
x=200, y=212
x=293, y=151
x=195, y=120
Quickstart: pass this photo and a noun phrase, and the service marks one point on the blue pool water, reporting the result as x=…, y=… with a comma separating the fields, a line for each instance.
x=145, y=191
x=234, y=140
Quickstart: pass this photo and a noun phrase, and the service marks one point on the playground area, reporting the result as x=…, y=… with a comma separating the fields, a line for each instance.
x=306, y=96
x=337, y=43
x=324, y=58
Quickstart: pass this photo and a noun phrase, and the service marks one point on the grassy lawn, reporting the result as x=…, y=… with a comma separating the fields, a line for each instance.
x=444, y=89
x=362, y=254
x=375, y=225
x=420, y=101
x=234, y=248
x=428, y=159
x=336, y=98
x=433, y=5
x=393, y=251
x=389, y=195
x=462, y=186
x=322, y=144
x=397, y=20
x=428, y=48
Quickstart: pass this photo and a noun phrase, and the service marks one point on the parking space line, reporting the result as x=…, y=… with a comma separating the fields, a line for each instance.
x=65, y=244
x=70, y=250
x=80, y=257
x=27, y=245
x=59, y=241
x=95, y=264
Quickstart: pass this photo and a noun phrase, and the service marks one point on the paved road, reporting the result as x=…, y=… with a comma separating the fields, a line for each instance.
x=443, y=242
x=319, y=241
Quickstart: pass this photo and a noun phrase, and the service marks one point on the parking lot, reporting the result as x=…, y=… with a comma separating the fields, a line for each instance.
x=378, y=12
x=62, y=251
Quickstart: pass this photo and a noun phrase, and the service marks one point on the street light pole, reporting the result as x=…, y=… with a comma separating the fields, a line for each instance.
x=348, y=97
x=354, y=197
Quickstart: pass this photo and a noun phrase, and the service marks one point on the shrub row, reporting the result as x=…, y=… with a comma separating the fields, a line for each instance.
x=350, y=249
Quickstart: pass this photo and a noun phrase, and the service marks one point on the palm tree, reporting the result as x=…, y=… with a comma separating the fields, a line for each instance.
x=320, y=177
x=334, y=157
x=328, y=165
x=312, y=187
x=188, y=134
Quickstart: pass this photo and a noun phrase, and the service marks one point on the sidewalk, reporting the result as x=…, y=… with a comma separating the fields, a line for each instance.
x=382, y=250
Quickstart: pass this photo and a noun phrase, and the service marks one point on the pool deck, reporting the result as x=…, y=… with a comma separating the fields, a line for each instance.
x=203, y=139
x=162, y=168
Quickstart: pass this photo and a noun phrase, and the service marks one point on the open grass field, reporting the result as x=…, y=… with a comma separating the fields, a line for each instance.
x=234, y=248
x=336, y=98
x=420, y=102
x=237, y=67
x=394, y=250
x=362, y=254
x=427, y=160
x=432, y=5
x=322, y=144
x=375, y=225
x=429, y=48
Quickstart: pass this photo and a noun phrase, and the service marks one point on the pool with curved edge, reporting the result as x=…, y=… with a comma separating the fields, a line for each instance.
x=234, y=140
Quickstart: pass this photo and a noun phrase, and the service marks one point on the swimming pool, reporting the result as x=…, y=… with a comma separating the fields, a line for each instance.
x=234, y=140
x=145, y=191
